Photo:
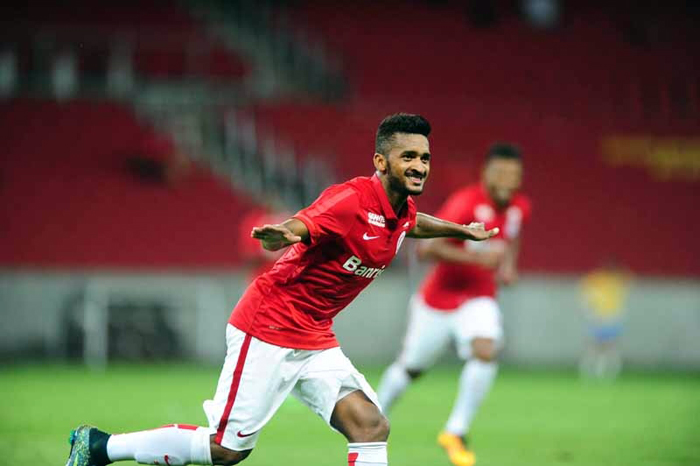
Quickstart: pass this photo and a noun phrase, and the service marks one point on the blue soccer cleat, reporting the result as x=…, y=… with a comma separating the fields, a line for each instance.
x=88, y=447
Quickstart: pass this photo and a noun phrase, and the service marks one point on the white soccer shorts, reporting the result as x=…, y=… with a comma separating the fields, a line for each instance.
x=430, y=331
x=257, y=377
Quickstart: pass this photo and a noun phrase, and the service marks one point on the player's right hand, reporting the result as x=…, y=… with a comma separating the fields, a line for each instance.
x=274, y=237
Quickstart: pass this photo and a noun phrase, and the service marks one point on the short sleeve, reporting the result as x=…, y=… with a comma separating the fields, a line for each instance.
x=332, y=214
x=516, y=216
x=457, y=208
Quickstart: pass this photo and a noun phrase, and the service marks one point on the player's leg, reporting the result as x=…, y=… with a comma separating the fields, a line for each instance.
x=332, y=387
x=175, y=444
x=427, y=336
x=601, y=358
x=244, y=399
x=479, y=335
x=475, y=381
x=364, y=426
x=251, y=388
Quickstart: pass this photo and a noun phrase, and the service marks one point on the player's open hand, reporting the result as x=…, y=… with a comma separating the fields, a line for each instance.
x=274, y=237
x=475, y=231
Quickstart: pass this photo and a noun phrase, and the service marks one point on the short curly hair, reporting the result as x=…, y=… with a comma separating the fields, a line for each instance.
x=398, y=123
x=503, y=150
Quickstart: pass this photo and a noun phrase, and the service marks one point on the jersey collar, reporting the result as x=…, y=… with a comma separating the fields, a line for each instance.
x=389, y=213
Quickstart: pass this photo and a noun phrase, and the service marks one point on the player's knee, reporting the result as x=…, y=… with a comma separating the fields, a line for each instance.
x=233, y=457
x=414, y=373
x=226, y=457
x=379, y=429
x=486, y=355
x=385, y=428
x=485, y=350
x=373, y=428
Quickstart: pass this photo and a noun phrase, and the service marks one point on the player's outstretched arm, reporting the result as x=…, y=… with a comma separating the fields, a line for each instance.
x=281, y=235
x=428, y=226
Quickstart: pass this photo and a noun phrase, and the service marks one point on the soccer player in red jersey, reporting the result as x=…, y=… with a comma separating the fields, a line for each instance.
x=457, y=299
x=279, y=337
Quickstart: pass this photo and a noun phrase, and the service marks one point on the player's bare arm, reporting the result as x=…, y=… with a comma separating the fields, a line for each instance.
x=428, y=226
x=508, y=270
x=281, y=235
x=441, y=250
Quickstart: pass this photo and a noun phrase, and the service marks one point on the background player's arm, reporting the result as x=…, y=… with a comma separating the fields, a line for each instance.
x=428, y=226
x=281, y=235
x=508, y=270
x=441, y=250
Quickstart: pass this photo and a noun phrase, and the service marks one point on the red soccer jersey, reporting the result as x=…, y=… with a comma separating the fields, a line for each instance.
x=448, y=285
x=354, y=235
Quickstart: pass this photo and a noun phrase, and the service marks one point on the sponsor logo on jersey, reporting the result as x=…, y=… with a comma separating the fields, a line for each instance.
x=376, y=219
x=354, y=265
x=242, y=435
x=366, y=237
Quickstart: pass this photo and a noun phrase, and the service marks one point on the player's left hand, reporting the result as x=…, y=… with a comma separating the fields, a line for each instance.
x=475, y=231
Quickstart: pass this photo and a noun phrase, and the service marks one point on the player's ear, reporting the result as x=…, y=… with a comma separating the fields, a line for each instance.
x=380, y=162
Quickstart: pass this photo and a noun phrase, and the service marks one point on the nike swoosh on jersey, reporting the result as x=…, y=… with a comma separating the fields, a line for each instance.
x=365, y=237
x=244, y=435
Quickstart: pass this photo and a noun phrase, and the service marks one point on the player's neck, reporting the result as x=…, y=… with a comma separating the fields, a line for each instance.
x=396, y=199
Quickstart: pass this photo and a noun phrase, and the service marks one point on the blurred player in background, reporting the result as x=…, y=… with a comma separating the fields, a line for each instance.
x=457, y=301
x=604, y=294
x=279, y=337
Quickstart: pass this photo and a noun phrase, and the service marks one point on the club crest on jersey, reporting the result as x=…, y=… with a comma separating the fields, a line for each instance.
x=376, y=219
x=354, y=265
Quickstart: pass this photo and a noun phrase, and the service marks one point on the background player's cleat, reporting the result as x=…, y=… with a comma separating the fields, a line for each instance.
x=88, y=447
x=456, y=449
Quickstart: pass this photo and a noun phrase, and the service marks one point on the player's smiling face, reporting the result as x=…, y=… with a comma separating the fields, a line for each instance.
x=408, y=163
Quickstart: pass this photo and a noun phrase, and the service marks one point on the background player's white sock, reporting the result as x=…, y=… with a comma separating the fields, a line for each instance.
x=367, y=454
x=181, y=444
x=474, y=383
x=392, y=385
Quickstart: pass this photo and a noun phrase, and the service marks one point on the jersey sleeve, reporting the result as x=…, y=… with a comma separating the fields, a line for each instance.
x=457, y=208
x=332, y=214
x=517, y=216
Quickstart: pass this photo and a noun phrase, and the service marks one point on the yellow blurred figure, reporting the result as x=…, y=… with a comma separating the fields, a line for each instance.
x=604, y=295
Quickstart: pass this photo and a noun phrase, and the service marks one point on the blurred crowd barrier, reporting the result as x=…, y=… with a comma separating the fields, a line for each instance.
x=104, y=317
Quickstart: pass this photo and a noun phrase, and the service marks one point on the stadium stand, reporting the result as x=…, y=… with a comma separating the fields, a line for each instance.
x=165, y=41
x=555, y=93
x=70, y=199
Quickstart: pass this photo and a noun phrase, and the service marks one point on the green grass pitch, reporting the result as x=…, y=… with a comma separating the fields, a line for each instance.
x=530, y=418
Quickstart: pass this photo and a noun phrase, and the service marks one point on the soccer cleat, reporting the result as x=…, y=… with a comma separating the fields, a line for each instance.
x=88, y=447
x=456, y=449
